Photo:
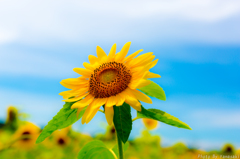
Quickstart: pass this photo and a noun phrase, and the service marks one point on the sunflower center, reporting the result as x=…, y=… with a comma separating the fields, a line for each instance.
x=109, y=79
x=25, y=136
x=61, y=141
x=107, y=76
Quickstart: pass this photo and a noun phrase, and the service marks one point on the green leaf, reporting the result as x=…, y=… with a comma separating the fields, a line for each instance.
x=162, y=116
x=154, y=90
x=125, y=147
x=122, y=120
x=64, y=118
x=95, y=150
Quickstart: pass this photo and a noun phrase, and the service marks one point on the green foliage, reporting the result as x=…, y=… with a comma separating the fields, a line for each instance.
x=95, y=150
x=64, y=118
x=123, y=121
x=154, y=90
x=125, y=147
x=162, y=116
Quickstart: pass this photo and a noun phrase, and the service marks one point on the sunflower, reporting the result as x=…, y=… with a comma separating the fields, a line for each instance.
x=150, y=123
x=1, y=146
x=12, y=118
x=26, y=136
x=12, y=113
x=60, y=137
x=110, y=80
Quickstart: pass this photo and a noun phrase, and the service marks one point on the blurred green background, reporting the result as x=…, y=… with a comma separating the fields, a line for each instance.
x=18, y=137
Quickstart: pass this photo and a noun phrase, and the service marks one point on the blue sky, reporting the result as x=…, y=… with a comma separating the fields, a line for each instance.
x=197, y=44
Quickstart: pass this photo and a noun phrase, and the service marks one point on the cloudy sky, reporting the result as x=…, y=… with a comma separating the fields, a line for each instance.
x=197, y=44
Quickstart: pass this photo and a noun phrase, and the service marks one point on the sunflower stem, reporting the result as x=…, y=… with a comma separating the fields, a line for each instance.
x=120, y=147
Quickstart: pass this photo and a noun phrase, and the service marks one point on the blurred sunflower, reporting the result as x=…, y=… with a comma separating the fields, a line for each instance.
x=110, y=133
x=228, y=149
x=110, y=80
x=26, y=136
x=12, y=118
x=238, y=152
x=1, y=146
x=11, y=114
x=150, y=123
x=60, y=137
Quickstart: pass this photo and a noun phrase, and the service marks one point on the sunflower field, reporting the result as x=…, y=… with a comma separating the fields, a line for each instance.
x=18, y=141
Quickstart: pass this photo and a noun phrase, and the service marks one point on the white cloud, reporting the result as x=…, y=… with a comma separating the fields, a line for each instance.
x=82, y=21
x=200, y=10
x=7, y=36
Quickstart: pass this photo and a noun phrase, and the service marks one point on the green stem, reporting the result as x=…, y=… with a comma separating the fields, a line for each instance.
x=120, y=147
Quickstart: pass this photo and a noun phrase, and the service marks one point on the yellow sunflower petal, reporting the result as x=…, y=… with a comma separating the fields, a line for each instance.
x=92, y=114
x=138, y=83
x=136, y=78
x=138, y=75
x=141, y=96
x=78, y=111
x=89, y=113
x=73, y=92
x=143, y=62
x=150, y=65
x=74, y=86
x=133, y=103
x=151, y=75
x=123, y=52
x=67, y=94
x=109, y=114
x=130, y=57
x=140, y=59
x=120, y=99
x=146, y=61
x=112, y=52
x=88, y=66
x=100, y=53
x=131, y=99
x=82, y=103
x=86, y=113
x=96, y=64
x=92, y=59
x=80, y=90
x=137, y=69
x=98, y=102
x=127, y=92
x=111, y=101
x=104, y=60
x=153, y=63
x=143, y=83
x=82, y=71
x=74, y=81
x=76, y=98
